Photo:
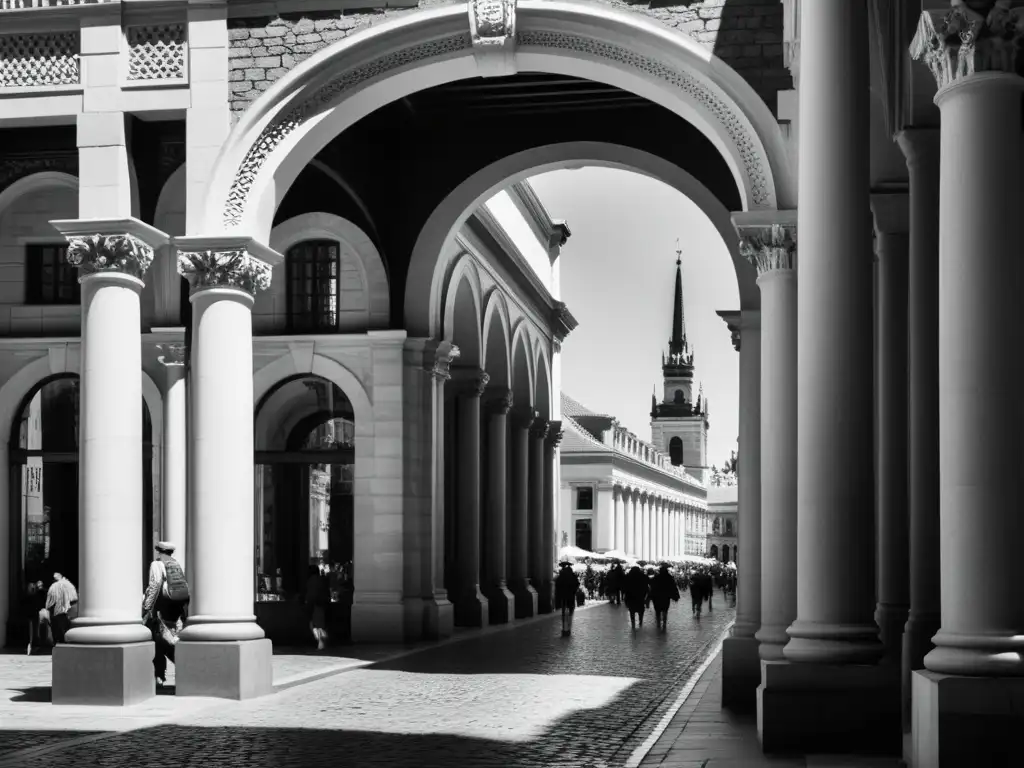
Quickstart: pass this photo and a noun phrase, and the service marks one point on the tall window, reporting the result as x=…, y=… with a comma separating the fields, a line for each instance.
x=49, y=279
x=675, y=451
x=584, y=533
x=312, y=269
x=584, y=498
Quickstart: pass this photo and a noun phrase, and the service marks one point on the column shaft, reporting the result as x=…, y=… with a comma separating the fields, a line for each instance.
x=538, y=563
x=892, y=440
x=500, y=600
x=546, y=598
x=471, y=608
x=620, y=519
x=175, y=453
x=519, y=566
x=748, y=595
x=835, y=539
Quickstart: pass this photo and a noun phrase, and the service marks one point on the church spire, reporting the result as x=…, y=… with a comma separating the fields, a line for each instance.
x=678, y=341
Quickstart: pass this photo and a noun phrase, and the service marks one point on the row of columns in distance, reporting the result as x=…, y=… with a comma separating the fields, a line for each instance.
x=644, y=523
x=950, y=600
x=520, y=500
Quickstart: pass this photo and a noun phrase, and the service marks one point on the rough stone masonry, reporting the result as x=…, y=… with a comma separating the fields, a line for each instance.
x=745, y=34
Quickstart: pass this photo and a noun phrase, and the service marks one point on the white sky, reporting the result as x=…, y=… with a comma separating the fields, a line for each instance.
x=617, y=278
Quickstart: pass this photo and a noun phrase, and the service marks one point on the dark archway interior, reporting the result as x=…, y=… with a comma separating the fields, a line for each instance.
x=409, y=155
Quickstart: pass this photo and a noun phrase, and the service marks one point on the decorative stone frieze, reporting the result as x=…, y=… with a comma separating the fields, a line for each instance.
x=963, y=40
x=171, y=355
x=110, y=253
x=39, y=59
x=156, y=52
x=769, y=247
x=501, y=402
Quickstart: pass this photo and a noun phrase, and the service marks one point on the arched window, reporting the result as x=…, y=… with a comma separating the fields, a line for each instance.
x=675, y=451
x=304, y=505
x=728, y=526
x=714, y=552
x=725, y=553
x=43, y=450
x=312, y=270
x=678, y=397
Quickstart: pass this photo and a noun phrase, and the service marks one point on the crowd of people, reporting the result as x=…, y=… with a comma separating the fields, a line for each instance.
x=641, y=588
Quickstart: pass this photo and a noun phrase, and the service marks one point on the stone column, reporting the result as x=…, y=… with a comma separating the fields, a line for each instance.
x=523, y=591
x=740, y=670
x=645, y=529
x=107, y=656
x=966, y=705
x=471, y=608
x=620, y=518
x=921, y=147
x=175, y=450
x=222, y=651
x=770, y=245
x=548, y=553
x=537, y=561
x=892, y=246
x=629, y=503
x=501, y=602
x=655, y=527
x=604, y=518
x=829, y=696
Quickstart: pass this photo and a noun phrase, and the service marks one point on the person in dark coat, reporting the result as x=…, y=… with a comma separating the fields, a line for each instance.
x=696, y=584
x=637, y=592
x=709, y=589
x=663, y=592
x=567, y=584
x=613, y=590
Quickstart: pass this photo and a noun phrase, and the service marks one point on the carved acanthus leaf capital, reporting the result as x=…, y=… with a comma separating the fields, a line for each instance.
x=962, y=41
x=122, y=253
x=472, y=381
x=539, y=429
x=171, y=355
x=438, y=364
x=500, y=402
x=522, y=416
x=769, y=247
x=233, y=268
x=555, y=433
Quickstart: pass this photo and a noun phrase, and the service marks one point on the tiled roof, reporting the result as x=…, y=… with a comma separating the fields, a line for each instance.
x=575, y=439
x=572, y=408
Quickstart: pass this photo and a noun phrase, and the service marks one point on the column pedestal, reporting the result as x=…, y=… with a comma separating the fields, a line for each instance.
x=222, y=651
x=108, y=653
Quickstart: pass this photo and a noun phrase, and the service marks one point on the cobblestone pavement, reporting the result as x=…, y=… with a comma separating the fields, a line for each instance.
x=522, y=698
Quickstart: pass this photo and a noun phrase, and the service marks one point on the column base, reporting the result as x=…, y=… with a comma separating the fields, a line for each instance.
x=226, y=669
x=438, y=618
x=546, y=596
x=501, y=604
x=829, y=709
x=917, y=643
x=741, y=673
x=378, y=622
x=106, y=675
x=966, y=720
x=526, y=599
x=471, y=609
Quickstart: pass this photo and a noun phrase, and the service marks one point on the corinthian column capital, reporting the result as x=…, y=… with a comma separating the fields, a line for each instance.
x=555, y=432
x=968, y=39
x=229, y=261
x=110, y=246
x=500, y=402
x=767, y=239
x=472, y=381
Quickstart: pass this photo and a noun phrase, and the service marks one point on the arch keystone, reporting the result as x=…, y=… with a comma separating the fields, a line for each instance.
x=492, y=32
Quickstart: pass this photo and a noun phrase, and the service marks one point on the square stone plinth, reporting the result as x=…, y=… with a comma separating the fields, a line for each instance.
x=438, y=618
x=525, y=600
x=961, y=721
x=741, y=674
x=235, y=669
x=108, y=675
x=828, y=709
x=501, y=605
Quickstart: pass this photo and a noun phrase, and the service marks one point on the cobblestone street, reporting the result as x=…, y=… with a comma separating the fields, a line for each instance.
x=521, y=698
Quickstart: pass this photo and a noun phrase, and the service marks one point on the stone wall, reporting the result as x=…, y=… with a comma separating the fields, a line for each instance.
x=746, y=34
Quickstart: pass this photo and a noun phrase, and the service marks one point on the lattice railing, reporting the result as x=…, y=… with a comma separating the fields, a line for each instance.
x=15, y=5
x=156, y=52
x=39, y=59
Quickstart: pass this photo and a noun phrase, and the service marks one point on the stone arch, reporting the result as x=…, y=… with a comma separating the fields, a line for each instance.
x=463, y=312
x=428, y=264
x=33, y=183
x=289, y=366
x=522, y=369
x=285, y=129
x=12, y=394
x=497, y=340
x=327, y=226
x=162, y=294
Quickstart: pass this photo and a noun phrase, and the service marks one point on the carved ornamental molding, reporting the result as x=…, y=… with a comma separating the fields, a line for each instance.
x=171, y=355
x=963, y=40
x=234, y=268
x=124, y=254
x=769, y=248
x=492, y=33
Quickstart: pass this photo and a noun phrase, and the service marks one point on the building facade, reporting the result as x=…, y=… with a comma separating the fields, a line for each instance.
x=890, y=127
x=723, y=536
x=620, y=493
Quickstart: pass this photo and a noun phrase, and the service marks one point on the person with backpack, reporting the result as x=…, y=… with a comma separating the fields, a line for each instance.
x=165, y=606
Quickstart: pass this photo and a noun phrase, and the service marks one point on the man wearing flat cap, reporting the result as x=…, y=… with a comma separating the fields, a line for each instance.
x=165, y=605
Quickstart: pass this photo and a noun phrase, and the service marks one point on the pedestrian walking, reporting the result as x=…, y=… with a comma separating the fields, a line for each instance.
x=61, y=599
x=165, y=606
x=638, y=592
x=33, y=611
x=709, y=589
x=567, y=584
x=317, y=597
x=663, y=592
x=696, y=586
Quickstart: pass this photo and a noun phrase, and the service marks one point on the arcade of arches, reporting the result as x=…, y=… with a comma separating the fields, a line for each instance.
x=194, y=181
